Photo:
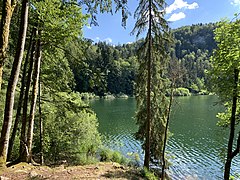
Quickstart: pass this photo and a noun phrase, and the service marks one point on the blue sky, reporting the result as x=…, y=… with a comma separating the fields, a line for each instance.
x=178, y=13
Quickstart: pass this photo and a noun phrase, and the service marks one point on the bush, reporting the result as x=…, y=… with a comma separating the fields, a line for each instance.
x=88, y=96
x=149, y=175
x=113, y=156
x=117, y=157
x=106, y=155
x=70, y=130
x=182, y=92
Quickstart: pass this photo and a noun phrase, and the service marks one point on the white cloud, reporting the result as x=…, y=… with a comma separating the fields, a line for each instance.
x=108, y=40
x=89, y=27
x=180, y=4
x=235, y=2
x=177, y=16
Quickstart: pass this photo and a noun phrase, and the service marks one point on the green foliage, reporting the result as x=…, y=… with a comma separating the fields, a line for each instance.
x=134, y=159
x=149, y=175
x=99, y=68
x=225, y=80
x=225, y=59
x=225, y=117
x=106, y=155
x=70, y=129
x=102, y=69
x=55, y=66
x=113, y=156
x=194, y=38
x=152, y=65
x=117, y=157
x=194, y=87
x=181, y=92
x=61, y=22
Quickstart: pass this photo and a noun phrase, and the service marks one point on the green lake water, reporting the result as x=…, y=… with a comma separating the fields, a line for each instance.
x=196, y=146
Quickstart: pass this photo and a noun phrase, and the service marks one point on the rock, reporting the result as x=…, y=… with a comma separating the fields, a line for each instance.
x=118, y=166
x=4, y=178
x=21, y=171
x=35, y=175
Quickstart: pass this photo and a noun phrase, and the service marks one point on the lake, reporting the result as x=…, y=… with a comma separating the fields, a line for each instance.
x=196, y=146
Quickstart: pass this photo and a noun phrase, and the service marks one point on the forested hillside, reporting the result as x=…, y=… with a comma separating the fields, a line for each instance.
x=112, y=69
x=48, y=69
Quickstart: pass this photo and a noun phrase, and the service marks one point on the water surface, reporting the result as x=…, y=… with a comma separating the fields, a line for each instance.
x=196, y=145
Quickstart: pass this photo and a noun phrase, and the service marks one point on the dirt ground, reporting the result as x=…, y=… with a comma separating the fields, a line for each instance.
x=101, y=171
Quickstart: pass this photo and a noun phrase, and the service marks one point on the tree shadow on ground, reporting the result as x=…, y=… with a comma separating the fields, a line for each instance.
x=128, y=174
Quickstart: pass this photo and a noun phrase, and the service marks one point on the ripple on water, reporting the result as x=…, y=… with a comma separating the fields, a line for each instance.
x=201, y=160
x=195, y=145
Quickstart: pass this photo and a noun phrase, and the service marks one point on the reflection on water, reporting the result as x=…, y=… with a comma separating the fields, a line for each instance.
x=195, y=147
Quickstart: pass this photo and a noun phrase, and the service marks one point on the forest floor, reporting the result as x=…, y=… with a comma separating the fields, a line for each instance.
x=107, y=170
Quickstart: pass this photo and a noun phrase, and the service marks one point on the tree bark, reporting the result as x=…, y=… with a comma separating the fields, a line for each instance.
x=40, y=120
x=34, y=99
x=232, y=127
x=20, y=101
x=23, y=138
x=7, y=11
x=237, y=150
x=166, y=130
x=148, y=124
x=8, y=113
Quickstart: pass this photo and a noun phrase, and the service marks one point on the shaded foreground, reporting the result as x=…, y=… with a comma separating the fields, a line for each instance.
x=96, y=171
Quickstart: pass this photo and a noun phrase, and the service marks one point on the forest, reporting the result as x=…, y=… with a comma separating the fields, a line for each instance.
x=116, y=66
x=49, y=71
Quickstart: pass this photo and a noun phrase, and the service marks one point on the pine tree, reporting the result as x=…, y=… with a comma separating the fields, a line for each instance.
x=151, y=85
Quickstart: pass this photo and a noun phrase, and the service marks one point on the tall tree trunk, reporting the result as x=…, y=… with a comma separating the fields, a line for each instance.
x=23, y=138
x=7, y=11
x=8, y=113
x=166, y=130
x=40, y=120
x=232, y=127
x=20, y=101
x=148, y=124
x=34, y=98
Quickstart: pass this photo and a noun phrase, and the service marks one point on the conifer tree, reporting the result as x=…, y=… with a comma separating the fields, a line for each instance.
x=151, y=84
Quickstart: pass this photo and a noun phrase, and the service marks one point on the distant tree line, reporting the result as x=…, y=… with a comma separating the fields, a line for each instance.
x=112, y=68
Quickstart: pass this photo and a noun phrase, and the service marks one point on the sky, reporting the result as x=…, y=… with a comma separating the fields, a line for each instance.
x=178, y=13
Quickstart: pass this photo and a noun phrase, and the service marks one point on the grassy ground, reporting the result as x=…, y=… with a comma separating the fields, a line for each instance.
x=97, y=171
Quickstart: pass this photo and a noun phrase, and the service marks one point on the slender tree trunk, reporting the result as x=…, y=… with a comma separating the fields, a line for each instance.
x=232, y=127
x=40, y=121
x=7, y=11
x=20, y=101
x=148, y=124
x=237, y=150
x=166, y=131
x=34, y=99
x=8, y=113
x=23, y=138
